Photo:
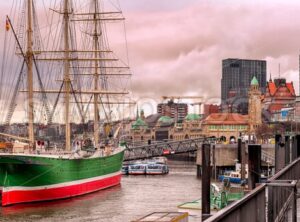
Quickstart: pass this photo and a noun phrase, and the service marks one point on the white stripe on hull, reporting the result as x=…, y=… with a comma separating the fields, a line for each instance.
x=65, y=184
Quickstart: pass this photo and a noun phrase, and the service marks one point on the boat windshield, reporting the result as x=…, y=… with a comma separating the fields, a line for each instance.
x=137, y=167
x=154, y=167
x=227, y=174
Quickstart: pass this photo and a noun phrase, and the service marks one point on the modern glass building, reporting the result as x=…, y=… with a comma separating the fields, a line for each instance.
x=236, y=78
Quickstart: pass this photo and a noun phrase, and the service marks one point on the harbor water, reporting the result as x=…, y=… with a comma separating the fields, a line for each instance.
x=137, y=196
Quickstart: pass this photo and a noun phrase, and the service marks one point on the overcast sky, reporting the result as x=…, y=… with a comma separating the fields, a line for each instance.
x=176, y=46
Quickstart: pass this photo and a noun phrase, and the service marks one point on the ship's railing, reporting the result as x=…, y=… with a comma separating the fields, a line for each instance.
x=60, y=152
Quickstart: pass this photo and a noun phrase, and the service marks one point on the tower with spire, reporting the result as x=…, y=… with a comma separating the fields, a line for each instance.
x=255, y=106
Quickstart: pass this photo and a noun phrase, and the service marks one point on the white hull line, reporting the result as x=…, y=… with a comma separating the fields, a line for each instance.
x=65, y=184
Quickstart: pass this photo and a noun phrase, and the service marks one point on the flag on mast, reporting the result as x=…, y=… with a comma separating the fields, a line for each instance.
x=7, y=25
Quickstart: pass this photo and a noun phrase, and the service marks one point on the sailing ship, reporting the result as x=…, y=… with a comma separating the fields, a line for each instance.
x=34, y=174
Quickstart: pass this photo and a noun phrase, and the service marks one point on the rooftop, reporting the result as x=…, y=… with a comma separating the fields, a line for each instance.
x=226, y=118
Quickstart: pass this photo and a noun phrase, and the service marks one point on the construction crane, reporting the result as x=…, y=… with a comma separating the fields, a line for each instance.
x=181, y=97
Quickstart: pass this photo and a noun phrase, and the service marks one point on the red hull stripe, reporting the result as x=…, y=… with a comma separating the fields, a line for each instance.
x=23, y=196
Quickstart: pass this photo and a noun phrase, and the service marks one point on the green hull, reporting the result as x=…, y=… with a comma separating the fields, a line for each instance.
x=31, y=171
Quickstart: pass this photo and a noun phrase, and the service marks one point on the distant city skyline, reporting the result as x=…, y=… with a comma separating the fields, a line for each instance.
x=176, y=47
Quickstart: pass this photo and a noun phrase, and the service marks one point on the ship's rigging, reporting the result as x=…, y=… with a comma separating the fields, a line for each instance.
x=77, y=64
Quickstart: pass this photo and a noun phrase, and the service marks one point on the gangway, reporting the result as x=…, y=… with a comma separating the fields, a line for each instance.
x=165, y=148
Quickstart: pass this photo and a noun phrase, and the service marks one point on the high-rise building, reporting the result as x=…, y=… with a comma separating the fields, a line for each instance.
x=236, y=78
x=178, y=111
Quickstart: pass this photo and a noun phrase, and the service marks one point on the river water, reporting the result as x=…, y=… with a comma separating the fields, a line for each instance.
x=137, y=196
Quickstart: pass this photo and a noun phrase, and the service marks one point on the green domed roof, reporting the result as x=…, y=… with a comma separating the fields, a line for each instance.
x=139, y=123
x=254, y=81
x=165, y=119
x=192, y=116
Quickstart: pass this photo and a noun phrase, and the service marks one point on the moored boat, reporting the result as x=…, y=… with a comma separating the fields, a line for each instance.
x=31, y=178
x=137, y=169
x=156, y=168
x=232, y=176
x=71, y=168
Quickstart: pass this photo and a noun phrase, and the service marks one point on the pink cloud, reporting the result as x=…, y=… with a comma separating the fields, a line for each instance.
x=181, y=51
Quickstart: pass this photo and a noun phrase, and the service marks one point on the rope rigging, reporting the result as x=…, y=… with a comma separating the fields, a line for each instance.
x=47, y=43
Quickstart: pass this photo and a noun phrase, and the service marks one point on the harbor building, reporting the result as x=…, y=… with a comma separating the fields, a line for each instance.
x=140, y=130
x=236, y=77
x=157, y=127
x=279, y=100
x=209, y=109
x=190, y=128
x=255, y=106
x=226, y=126
x=229, y=126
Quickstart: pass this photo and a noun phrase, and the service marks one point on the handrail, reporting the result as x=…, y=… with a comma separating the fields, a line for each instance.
x=280, y=173
x=273, y=181
x=236, y=205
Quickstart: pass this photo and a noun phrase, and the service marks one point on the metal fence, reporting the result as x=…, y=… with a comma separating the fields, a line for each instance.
x=248, y=209
x=271, y=201
x=282, y=195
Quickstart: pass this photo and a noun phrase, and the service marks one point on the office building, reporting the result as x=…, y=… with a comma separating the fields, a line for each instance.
x=236, y=78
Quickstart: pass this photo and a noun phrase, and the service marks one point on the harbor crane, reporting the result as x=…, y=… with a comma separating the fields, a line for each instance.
x=181, y=97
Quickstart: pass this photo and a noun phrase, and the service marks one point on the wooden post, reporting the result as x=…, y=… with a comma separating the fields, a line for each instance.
x=214, y=162
x=199, y=170
x=270, y=213
x=279, y=153
x=254, y=165
x=294, y=207
x=287, y=150
x=239, y=148
x=297, y=146
x=205, y=180
x=243, y=161
x=294, y=148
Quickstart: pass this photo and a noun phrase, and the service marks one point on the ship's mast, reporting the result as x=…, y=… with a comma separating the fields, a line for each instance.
x=96, y=77
x=29, y=58
x=67, y=80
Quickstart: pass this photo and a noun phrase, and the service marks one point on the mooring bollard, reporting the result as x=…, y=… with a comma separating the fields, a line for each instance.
x=279, y=153
x=254, y=165
x=206, y=168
